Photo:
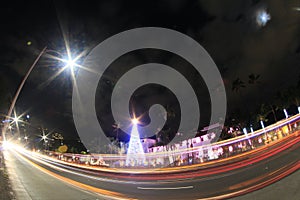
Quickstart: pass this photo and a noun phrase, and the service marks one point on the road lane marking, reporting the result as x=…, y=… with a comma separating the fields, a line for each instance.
x=166, y=188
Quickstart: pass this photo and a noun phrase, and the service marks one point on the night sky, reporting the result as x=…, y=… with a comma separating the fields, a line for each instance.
x=228, y=30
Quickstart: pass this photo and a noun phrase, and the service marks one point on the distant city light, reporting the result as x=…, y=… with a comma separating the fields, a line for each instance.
x=15, y=119
x=262, y=17
x=7, y=145
x=251, y=128
x=285, y=113
x=262, y=124
x=299, y=109
x=220, y=150
x=27, y=116
x=297, y=8
x=71, y=63
x=240, y=145
x=245, y=131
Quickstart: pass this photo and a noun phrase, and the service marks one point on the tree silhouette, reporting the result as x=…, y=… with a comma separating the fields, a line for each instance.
x=237, y=85
x=293, y=95
x=282, y=99
x=253, y=78
x=263, y=113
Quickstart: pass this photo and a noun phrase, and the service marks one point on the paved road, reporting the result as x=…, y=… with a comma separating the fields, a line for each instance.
x=31, y=183
x=287, y=188
x=36, y=184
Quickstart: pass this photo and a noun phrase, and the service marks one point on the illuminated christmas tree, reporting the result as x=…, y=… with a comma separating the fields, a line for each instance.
x=135, y=152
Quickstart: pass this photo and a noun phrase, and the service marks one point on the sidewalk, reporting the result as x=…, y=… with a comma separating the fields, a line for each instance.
x=5, y=189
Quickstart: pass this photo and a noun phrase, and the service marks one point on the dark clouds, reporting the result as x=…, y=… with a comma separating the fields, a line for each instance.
x=235, y=41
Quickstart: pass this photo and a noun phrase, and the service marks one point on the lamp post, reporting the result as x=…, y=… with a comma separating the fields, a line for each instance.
x=70, y=62
x=12, y=105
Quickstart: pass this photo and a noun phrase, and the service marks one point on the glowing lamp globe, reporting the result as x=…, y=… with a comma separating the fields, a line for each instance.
x=135, y=121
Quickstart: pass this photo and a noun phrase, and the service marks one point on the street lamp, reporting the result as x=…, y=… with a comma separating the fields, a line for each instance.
x=18, y=92
x=16, y=119
x=44, y=137
x=70, y=63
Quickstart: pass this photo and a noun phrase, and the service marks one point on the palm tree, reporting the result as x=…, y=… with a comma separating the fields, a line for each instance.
x=263, y=113
x=253, y=78
x=293, y=95
x=282, y=99
x=237, y=85
x=273, y=110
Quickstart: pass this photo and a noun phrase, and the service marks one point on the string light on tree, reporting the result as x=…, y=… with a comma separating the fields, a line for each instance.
x=135, y=152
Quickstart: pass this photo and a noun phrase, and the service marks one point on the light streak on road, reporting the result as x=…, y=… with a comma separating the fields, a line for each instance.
x=166, y=188
x=297, y=8
x=110, y=182
x=178, y=152
x=257, y=186
x=101, y=192
x=185, y=172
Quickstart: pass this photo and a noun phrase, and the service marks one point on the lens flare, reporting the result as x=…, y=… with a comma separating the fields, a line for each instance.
x=7, y=145
x=135, y=121
x=262, y=18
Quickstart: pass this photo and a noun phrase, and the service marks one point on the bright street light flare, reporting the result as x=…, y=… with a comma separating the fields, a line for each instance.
x=7, y=145
x=135, y=121
x=262, y=17
x=15, y=119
